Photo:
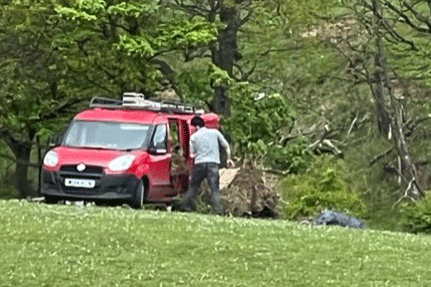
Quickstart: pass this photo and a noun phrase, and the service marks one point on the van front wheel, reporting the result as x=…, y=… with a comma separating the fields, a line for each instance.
x=51, y=199
x=138, y=198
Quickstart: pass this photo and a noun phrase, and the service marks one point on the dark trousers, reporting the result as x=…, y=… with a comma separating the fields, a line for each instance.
x=199, y=173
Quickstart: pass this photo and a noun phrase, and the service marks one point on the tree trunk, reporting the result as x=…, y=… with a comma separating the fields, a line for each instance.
x=22, y=152
x=21, y=171
x=390, y=121
x=224, y=55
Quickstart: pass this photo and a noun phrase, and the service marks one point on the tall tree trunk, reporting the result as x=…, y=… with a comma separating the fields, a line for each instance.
x=390, y=121
x=224, y=55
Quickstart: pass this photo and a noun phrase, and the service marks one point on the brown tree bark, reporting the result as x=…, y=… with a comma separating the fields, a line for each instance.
x=22, y=152
x=225, y=54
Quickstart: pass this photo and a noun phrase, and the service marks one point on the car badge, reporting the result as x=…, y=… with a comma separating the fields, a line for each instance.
x=80, y=167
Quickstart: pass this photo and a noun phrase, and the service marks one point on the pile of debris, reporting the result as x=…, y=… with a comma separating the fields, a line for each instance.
x=249, y=191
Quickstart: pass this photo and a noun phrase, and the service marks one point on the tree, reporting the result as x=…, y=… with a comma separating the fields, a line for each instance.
x=383, y=66
x=32, y=76
x=54, y=56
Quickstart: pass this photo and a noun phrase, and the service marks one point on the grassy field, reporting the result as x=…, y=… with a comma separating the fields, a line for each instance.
x=71, y=245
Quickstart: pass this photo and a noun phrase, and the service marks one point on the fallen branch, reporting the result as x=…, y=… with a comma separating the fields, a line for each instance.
x=352, y=124
x=276, y=171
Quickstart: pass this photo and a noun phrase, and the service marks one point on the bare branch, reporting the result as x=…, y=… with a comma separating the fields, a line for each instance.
x=412, y=124
x=246, y=18
x=193, y=9
x=406, y=19
x=265, y=53
x=406, y=194
x=397, y=35
x=418, y=15
x=352, y=124
x=245, y=75
x=378, y=157
x=61, y=108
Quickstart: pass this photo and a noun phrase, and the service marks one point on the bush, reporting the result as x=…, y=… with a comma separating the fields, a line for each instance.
x=295, y=157
x=416, y=216
x=325, y=185
x=258, y=121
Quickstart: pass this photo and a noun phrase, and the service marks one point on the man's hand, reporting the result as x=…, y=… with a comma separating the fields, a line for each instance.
x=230, y=163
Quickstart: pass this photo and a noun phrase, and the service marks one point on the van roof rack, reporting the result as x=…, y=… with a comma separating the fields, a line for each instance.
x=138, y=101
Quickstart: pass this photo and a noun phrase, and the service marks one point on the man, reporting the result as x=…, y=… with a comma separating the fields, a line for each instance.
x=204, y=147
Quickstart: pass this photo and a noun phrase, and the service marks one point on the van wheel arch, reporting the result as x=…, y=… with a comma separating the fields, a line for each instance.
x=146, y=183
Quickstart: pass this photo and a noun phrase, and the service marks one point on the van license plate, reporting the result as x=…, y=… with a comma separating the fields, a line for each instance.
x=83, y=183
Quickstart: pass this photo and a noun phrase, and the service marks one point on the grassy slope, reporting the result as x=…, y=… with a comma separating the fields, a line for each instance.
x=58, y=245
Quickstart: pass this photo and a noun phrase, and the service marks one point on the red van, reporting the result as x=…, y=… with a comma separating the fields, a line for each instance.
x=123, y=151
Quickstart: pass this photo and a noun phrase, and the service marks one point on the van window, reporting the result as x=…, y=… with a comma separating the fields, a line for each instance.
x=159, y=139
x=109, y=135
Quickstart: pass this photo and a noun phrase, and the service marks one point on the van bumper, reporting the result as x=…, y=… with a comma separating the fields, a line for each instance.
x=107, y=187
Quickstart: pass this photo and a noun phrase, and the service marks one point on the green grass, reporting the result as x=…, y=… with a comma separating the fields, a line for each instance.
x=71, y=245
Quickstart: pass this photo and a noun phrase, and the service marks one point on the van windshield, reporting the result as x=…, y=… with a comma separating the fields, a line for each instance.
x=109, y=135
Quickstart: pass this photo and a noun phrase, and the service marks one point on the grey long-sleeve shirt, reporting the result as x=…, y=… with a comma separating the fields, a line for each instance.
x=204, y=145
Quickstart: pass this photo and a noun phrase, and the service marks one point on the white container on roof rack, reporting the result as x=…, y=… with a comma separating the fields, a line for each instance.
x=138, y=100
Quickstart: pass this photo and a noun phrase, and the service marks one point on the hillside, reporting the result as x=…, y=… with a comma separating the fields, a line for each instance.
x=71, y=245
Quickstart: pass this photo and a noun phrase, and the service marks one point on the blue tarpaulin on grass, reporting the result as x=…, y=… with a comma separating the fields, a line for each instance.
x=337, y=218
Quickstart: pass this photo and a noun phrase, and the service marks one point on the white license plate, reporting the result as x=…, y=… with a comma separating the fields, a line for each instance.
x=83, y=183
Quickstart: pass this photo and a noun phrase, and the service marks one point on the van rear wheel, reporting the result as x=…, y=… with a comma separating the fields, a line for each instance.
x=138, y=198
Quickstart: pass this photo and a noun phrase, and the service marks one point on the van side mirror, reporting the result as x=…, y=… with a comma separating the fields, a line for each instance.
x=157, y=150
x=161, y=151
x=54, y=141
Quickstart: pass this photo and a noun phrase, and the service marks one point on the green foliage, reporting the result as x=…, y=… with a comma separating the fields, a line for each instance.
x=141, y=46
x=172, y=35
x=416, y=216
x=295, y=156
x=189, y=33
x=257, y=124
x=254, y=123
x=75, y=15
x=34, y=94
x=325, y=185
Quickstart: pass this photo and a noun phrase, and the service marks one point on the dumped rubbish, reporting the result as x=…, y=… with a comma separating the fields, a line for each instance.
x=250, y=193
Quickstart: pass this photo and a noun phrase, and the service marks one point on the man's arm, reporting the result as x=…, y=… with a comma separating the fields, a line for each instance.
x=192, y=148
x=225, y=144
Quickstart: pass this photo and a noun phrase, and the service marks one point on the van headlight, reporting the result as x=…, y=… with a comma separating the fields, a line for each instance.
x=122, y=162
x=50, y=159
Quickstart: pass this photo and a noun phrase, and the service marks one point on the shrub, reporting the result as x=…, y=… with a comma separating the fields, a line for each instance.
x=258, y=122
x=325, y=185
x=295, y=157
x=415, y=217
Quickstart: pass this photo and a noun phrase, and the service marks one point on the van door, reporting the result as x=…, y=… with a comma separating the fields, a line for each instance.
x=160, y=158
x=179, y=137
x=185, y=134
